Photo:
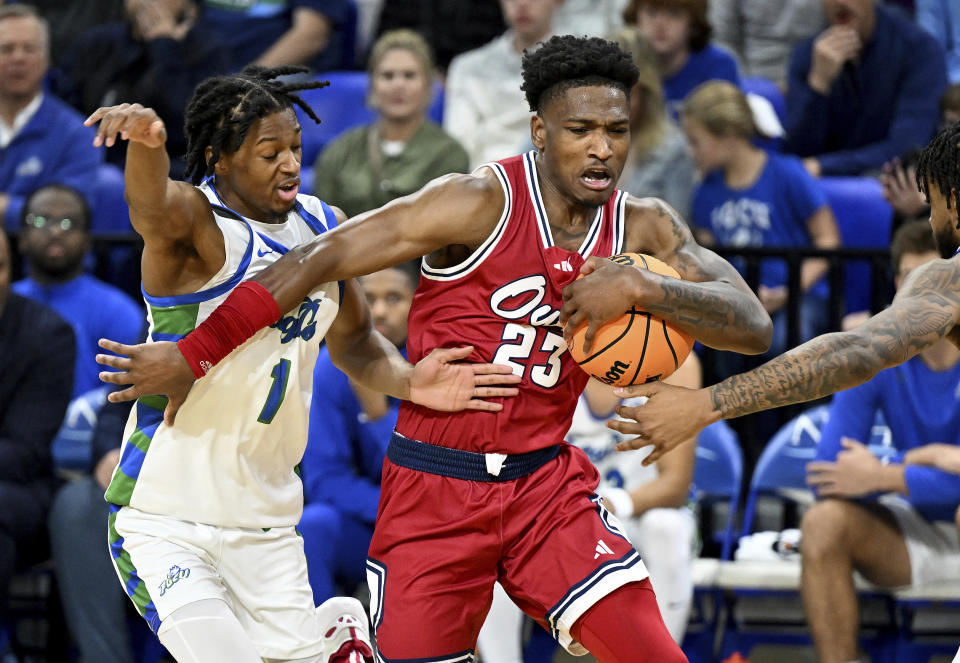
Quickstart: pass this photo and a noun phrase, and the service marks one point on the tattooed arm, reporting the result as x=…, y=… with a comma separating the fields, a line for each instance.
x=926, y=309
x=712, y=303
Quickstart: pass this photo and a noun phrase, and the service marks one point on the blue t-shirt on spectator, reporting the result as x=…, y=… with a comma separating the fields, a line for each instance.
x=709, y=63
x=921, y=406
x=250, y=27
x=95, y=310
x=53, y=147
x=772, y=212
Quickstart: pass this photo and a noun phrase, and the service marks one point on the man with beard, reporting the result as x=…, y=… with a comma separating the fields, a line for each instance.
x=54, y=240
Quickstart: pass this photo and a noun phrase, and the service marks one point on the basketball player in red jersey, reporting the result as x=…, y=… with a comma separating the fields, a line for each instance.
x=470, y=498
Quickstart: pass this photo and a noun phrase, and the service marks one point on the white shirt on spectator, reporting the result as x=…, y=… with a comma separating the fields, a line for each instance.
x=8, y=132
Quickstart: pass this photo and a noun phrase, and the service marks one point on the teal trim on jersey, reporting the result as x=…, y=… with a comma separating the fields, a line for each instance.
x=174, y=320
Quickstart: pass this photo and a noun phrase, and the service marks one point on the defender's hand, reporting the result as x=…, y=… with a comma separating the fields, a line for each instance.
x=670, y=416
x=132, y=122
x=440, y=384
x=605, y=292
x=151, y=369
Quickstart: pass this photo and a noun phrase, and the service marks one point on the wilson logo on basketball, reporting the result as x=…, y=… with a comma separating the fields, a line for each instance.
x=615, y=372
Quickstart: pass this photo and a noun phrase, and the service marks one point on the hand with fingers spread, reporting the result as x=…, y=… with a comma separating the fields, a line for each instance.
x=900, y=188
x=606, y=290
x=130, y=122
x=438, y=382
x=670, y=416
x=150, y=369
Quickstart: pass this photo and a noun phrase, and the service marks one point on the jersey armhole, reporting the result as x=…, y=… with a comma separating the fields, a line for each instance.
x=489, y=244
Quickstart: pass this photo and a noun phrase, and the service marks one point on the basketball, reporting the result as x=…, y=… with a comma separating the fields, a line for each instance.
x=637, y=347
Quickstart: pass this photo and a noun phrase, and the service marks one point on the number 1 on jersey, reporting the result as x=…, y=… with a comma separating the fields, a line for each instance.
x=278, y=389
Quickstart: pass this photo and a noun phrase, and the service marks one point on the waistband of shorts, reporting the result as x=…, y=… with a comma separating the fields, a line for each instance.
x=466, y=465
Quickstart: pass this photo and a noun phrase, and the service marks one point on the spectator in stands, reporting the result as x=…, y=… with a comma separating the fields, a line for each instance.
x=750, y=197
x=403, y=149
x=862, y=91
x=271, y=33
x=36, y=377
x=451, y=27
x=155, y=56
x=680, y=33
x=485, y=109
x=350, y=428
x=652, y=502
x=762, y=33
x=941, y=18
x=68, y=20
x=659, y=162
x=593, y=18
x=891, y=521
x=94, y=603
x=54, y=240
x=43, y=140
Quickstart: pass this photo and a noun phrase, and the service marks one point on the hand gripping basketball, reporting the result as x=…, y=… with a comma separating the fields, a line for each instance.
x=637, y=347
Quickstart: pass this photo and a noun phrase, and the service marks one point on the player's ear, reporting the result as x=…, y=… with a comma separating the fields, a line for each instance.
x=538, y=132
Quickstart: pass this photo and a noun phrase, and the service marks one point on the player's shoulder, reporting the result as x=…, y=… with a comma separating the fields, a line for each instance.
x=650, y=210
x=651, y=225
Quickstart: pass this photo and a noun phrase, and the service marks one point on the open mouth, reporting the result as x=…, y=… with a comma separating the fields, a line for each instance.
x=596, y=178
x=288, y=190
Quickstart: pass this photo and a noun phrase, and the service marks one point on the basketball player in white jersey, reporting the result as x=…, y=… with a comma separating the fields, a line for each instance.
x=203, y=512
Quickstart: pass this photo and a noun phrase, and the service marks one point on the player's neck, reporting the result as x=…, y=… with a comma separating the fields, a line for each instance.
x=401, y=130
x=941, y=356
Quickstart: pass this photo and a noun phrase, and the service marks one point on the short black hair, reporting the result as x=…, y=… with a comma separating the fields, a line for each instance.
x=565, y=61
x=939, y=162
x=66, y=188
x=222, y=108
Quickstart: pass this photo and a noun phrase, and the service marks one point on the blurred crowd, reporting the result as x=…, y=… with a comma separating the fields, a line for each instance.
x=762, y=122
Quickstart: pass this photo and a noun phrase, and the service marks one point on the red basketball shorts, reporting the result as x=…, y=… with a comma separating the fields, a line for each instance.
x=440, y=544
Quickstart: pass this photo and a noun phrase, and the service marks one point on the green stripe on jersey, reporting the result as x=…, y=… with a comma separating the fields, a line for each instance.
x=120, y=489
x=141, y=597
x=181, y=319
x=155, y=402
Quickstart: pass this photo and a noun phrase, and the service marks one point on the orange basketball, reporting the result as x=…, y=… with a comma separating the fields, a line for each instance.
x=637, y=347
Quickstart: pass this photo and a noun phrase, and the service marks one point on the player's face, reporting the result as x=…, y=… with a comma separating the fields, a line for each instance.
x=23, y=56
x=709, y=151
x=261, y=179
x=401, y=88
x=944, y=222
x=667, y=28
x=389, y=295
x=55, y=236
x=583, y=136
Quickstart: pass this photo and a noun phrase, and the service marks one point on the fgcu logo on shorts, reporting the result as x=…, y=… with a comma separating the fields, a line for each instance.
x=174, y=575
x=301, y=325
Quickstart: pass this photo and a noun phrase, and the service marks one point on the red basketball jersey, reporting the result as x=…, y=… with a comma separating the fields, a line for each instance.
x=505, y=301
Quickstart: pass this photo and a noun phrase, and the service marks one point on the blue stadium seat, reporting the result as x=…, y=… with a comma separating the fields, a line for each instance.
x=340, y=106
x=110, y=211
x=717, y=478
x=864, y=218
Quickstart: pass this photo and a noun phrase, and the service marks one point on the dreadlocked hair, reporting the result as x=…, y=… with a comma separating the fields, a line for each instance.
x=565, y=61
x=222, y=108
x=939, y=163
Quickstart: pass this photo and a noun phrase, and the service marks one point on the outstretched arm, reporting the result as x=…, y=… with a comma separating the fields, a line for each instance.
x=712, y=302
x=926, y=309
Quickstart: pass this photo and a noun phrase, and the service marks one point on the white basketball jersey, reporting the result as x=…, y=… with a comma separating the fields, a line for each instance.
x=230, y=459
x=588, y=431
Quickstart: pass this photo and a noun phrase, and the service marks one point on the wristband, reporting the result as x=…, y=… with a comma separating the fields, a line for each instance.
x=619, y=499
x=249, y=308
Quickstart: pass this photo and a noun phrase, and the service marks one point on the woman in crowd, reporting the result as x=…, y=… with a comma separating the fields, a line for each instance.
x=403, y=149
